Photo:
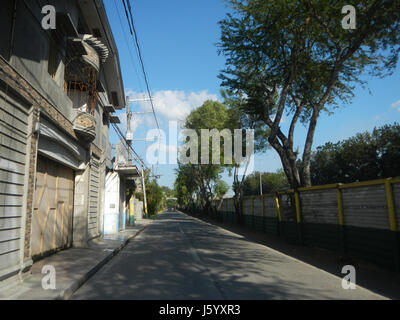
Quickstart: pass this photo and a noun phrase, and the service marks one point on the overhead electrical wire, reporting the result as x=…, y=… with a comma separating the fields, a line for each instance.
x=134, y=34
x=132, y=60
x=121, y=135
x=128, y=10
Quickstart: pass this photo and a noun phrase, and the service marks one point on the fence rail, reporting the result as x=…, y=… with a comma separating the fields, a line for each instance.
x=357, y=219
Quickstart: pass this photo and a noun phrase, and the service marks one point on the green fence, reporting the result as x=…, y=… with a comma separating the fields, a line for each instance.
x=358, y=219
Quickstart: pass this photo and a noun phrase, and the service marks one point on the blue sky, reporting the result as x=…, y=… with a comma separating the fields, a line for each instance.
x=177, y=40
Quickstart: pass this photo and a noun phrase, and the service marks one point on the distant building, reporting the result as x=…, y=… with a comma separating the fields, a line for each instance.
x=58, y=90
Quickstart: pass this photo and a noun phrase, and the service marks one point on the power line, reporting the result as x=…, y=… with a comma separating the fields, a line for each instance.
x=141, y=61
x=126, y=13
x=120, y=134
x=131, y=24
x=127, y=45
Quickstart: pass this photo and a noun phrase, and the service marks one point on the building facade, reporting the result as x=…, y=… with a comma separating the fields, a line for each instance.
x=59, y=89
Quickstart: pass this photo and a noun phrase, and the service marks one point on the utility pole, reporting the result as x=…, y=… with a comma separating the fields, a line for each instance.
x=129, y=135
x=261, y=191
x=144, y=193
x=129, y=139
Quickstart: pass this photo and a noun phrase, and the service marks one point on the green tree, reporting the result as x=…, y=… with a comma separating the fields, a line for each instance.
x=235, y=101
x=155, y=197
x=220, y=189
x=294, y=58
x=271, y=182
x=365, y=156
x=211, y=115
x=185, y=186
x=169, y=193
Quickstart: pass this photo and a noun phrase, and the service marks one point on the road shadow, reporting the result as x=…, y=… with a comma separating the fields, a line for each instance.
x=370, y=276
x=160, y=265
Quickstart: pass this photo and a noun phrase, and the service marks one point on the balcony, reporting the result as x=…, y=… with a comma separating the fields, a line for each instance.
x=85, y=126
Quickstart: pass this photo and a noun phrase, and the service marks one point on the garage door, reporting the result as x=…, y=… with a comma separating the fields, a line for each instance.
x=53, y=207
x=13, y=159
x=94, y=198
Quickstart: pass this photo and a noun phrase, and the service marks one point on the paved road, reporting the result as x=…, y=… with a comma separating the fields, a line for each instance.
x=180, y=257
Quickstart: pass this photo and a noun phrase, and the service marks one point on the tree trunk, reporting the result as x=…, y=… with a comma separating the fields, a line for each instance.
x=288, y=159
x=307, y=148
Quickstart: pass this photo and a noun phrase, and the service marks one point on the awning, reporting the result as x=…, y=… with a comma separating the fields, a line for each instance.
x=128, y=171
x=109, y=108
x=114, y=119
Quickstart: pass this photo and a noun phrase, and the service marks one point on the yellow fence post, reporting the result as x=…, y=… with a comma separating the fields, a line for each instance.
x=390, y=205
x=392, y=221
x=278, y=214
x=340, y=206
x=342, y=226
x=298, y=215
x=298, y=208
x=252, y=213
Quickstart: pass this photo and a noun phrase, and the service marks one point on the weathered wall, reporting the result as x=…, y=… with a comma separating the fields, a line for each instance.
x=360, y=219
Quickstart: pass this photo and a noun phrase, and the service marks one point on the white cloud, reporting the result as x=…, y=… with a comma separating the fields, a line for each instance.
x=396, y=105
x=173, y=104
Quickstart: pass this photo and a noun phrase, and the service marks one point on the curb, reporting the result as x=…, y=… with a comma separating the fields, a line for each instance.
x=75, y=285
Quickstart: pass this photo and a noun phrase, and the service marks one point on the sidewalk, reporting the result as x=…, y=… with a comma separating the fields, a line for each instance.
x=73, y=267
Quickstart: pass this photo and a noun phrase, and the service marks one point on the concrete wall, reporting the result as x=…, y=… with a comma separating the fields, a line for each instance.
x=114, y=203
x=353, y=219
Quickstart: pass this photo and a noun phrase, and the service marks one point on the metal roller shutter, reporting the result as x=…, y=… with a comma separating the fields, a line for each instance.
x=13, y=158
x=94, y=198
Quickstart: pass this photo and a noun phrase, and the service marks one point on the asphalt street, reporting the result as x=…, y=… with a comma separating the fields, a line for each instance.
x=179, y=258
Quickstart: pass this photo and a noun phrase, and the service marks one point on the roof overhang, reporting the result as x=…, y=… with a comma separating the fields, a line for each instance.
x=114, y=119
x=128, y=171
x=109, y=108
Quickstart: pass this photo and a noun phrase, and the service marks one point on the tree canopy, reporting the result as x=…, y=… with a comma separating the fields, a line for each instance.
x=365, y=156
x=294, y=58
x=271, y=182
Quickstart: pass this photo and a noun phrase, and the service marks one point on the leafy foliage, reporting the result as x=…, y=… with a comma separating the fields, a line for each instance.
x=220, y=189
x=294, y=58
x=366, y=156
x=155, y=197
x=271, y=182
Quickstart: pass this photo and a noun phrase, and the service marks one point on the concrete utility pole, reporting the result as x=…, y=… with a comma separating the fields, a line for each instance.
x=261, y=192
x=129, y=134
x=129, y=138
x=144, y=193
